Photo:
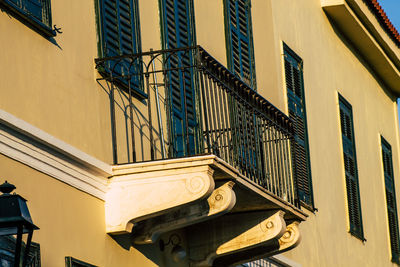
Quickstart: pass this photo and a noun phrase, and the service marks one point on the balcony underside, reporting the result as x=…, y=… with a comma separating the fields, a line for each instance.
x=227, y=217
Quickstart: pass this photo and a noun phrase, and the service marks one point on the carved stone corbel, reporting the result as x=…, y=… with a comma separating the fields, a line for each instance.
x=232, y=235
x=134, y=197
x=220, y=202
x=290, y=239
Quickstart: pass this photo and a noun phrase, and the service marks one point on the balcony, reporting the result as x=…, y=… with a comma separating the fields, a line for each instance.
x=196, y=148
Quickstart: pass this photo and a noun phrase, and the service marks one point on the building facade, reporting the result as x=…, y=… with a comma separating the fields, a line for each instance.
x=202, y=132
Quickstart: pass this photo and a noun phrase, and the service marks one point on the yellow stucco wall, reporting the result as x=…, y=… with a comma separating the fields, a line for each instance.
x=331, y=66
x=53, y=87
x=71, y=222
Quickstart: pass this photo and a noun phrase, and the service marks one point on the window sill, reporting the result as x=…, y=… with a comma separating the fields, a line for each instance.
x=358, y=236
x=308, y=207
x=28, y=19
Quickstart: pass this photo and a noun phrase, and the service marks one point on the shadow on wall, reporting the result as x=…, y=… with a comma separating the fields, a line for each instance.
x=125, y=151
x=150, y=251
x=12, y=15
x=361, y=59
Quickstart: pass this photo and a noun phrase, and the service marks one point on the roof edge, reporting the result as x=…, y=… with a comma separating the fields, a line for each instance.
x=384, y=20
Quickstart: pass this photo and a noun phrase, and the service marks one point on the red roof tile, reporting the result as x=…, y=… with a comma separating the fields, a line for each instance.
x=384, y=20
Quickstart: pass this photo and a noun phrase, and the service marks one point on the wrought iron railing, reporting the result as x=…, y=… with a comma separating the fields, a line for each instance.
x=192, y=106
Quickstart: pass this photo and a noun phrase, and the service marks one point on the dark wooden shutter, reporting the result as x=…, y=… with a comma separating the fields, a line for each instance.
x=38, y=10
x=178, y=32
x=297, y=112
x=391, y=200
x=241, y=63
x=120, y=36
x=350, y=166
x=239, y=36
x=245, y=141
x=34, y=8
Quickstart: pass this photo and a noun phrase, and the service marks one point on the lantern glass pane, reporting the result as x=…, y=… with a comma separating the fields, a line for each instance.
x=8, y=231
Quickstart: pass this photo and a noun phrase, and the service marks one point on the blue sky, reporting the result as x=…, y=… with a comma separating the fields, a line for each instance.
x=392, y=9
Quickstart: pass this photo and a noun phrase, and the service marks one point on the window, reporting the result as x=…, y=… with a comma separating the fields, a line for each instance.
x=297, y=112
x=120, y=35
x=72, y=262
x=239, y=40
x=35, y=13
x=391, y=200
x=350, y=166
x=267, y=262
x=179, y=32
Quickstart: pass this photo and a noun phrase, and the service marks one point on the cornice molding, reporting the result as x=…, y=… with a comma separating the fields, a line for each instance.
x=35, y=148
x=363, y=32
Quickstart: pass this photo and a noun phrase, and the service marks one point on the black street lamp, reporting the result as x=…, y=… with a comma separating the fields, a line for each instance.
x=15, y=220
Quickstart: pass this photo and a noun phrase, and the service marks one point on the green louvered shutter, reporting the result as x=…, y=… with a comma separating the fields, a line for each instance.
x=391, y=200
x=297, y=112
x=241, y=63
x=35, y=8
x=121, y=36
x=38, y=10
x=178, y=32
x=350, y=166
x=239, y=40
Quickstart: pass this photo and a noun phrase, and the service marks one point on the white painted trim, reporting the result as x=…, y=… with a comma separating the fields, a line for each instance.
x=74, y=167
x=49, y=140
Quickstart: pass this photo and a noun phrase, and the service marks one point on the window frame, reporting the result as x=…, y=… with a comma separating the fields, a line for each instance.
x=71, y=262
x=19, y=12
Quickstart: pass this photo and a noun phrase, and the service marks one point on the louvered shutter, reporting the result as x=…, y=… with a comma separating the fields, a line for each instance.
x=15, y=2
x=391, y=200
x=178, y=33
x=240, y=59
x=350, y=166
x=120, y=36
x=241, y=63
x=297, y=112
x=37, y=9
x=245, y=141
x=34, y=8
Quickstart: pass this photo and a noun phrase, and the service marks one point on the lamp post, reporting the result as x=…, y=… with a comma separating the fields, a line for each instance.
x=15, y=220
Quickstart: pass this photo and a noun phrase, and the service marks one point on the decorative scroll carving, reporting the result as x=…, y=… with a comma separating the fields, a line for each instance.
x=233, y=235
x=218, y=203
x=290, y=239
x=195, y=184
x=138, y=196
